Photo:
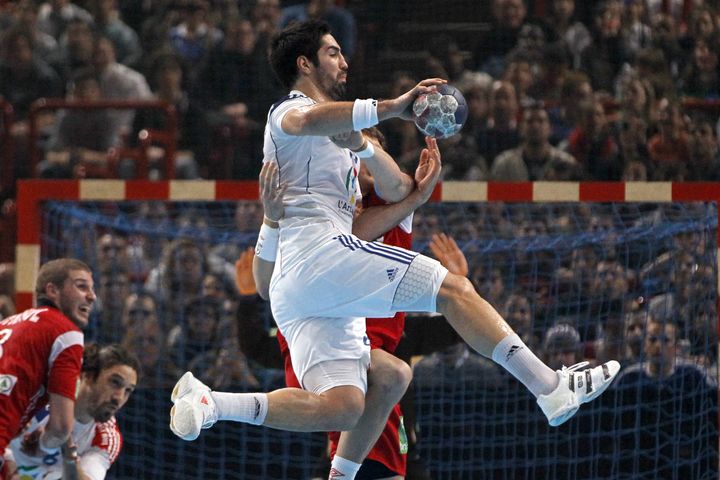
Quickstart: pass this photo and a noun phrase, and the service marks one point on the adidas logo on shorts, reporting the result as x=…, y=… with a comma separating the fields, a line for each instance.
x=391, y=272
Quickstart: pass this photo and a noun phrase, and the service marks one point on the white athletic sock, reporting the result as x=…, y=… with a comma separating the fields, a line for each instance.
x=241, y=407
x=341, y=468
x=514, y=356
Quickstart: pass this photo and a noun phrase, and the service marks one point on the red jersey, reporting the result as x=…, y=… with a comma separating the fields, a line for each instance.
x=40, y=353
x=385, y=334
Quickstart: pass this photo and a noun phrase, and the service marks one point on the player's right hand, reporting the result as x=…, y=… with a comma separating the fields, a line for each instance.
x=30, y=444
x=271, y=192
x=402, y=105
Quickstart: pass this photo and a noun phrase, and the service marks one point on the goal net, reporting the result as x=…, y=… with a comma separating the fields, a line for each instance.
x=579, y=280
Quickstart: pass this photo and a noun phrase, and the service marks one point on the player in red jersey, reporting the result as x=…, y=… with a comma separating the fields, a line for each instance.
x=109, y=375
x=41, y=354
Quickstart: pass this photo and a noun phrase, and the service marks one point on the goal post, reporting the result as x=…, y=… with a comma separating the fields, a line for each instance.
x=31, y=193
x=474, y=422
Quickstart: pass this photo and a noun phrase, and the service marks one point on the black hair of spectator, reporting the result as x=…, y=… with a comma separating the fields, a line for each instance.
x=299, y=39
x=82, y=75
x=12, y=35
x=556, y=53
x=97, y=358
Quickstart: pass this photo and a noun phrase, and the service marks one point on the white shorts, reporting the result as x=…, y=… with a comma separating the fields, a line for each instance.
x=323, y=376
x=320, y=302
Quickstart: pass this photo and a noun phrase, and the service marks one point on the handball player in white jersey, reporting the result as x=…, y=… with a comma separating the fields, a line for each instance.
x=326, y=280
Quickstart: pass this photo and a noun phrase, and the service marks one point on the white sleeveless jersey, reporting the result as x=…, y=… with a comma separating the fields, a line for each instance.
x=98, y=445
x=321, y=178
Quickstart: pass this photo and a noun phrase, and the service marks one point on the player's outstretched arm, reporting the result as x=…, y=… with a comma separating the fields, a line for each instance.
x=332, y=118
x=271, y=195
x=375, y=221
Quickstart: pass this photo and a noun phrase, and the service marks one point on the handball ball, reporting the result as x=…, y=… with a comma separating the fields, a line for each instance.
x=442, y=113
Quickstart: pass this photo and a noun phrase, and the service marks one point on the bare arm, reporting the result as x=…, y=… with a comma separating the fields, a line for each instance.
x=391, y=184
x=374, y=222
x=331, y=118
x=60, y=421
x=271, y=194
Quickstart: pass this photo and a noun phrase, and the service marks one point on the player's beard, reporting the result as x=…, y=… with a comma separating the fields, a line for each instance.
x=337, y=92
x=104, y=412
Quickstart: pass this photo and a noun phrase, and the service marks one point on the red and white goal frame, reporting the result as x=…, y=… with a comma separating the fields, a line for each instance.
x=32, y=193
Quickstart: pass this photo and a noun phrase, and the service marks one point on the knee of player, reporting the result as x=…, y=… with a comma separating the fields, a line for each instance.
x=346, y=416
x=342, y=411
x=390, y=376
x=454, y=288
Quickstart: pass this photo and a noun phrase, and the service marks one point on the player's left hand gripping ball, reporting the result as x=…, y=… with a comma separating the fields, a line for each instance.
x=442, y=113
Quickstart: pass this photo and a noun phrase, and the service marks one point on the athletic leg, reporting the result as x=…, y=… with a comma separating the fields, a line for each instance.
x=333, y=401
x=560, y=393
x=388, y=378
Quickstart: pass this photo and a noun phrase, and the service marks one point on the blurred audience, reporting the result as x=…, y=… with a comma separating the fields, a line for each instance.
x=535, y=158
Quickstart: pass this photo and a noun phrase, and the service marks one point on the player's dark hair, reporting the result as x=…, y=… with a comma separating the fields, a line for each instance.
x=376, y=134
x=56, y=272
x=97, y=358
x=298, y=39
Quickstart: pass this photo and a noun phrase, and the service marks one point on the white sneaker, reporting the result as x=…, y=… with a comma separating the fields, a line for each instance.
x=194, y=408
x=575, y=388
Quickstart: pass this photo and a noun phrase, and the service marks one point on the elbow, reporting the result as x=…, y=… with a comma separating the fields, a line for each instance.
x=395, y=191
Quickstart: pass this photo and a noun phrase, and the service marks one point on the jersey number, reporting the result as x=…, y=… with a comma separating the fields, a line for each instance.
x=4, y=336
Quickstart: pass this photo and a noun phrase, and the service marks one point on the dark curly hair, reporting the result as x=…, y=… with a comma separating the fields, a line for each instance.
x=298, y=39
x=97, y=358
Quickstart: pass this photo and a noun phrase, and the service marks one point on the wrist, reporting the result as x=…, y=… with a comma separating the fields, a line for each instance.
x=366, y=150
x=364, y=114
x=45, y=449
x=267, y=243
x=270, y=222
x=69, y=454
x=388, y=109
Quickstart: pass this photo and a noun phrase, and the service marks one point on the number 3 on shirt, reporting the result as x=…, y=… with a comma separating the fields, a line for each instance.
x=4, y=336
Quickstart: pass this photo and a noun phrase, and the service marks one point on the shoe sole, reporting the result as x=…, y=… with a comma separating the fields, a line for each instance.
x=563, y=417
x=192, y=424
x=190, y=427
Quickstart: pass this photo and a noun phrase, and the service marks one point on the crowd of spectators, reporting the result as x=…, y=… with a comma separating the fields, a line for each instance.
x=611, y=90
x=539, y=265
x=579, y=282
x=629, y=88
